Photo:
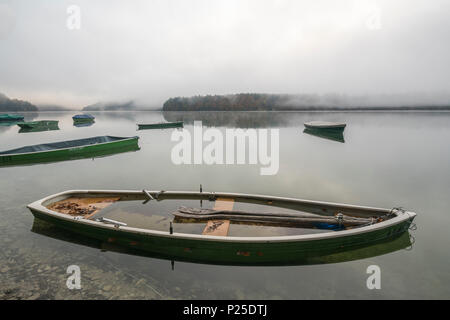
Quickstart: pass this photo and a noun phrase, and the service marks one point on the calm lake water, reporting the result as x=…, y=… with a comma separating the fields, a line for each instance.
x=387, y=160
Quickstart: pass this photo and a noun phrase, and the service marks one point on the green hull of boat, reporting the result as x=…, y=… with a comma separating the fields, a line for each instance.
x=38, y=124
x=83, y=120
x=39, y=129
x=160, y=125
x=79, y=152
x=10, y=117
x=236, y=253
x=350, y=253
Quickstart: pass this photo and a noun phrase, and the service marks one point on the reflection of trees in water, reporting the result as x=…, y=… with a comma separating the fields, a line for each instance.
x=267, y=119
x=128, y=115
x=234, y=119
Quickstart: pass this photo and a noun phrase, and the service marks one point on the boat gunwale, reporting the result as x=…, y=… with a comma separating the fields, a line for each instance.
x=400, y=217
x=48, y=151
x=331, y=125
x=83, y=116
x=160, y=123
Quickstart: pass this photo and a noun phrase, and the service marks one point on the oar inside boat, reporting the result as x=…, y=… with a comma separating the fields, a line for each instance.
x=299, y=219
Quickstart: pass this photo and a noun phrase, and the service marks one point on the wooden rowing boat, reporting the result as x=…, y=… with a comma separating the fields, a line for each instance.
x=38, y=124
x=345, y=254
x=95, y=214
x=83, y=118
x=39, y=129
x=69, y=150
x=325, y=125
x=162, y=125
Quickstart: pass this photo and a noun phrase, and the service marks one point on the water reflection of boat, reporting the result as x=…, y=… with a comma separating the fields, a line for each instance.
x=335, y=135
x=83, y=124
x=8, y=123
x=69, y=150
x=239, y=119
x=86, y=213
x=39, y=129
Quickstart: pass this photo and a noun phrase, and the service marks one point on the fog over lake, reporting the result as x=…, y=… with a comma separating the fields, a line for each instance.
x=149, y=51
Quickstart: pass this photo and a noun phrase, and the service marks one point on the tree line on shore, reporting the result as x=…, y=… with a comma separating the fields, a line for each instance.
x=287, y=102
x=7, y=104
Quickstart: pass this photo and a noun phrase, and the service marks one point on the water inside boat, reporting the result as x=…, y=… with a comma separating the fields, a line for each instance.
x=157, y=215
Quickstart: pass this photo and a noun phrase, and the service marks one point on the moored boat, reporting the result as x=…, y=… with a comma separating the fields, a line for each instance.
x=38, y=124
x=278, y=231
x=68, y=150
x=83, y=124
x=325, y=125
x=10, y=117
x=83, y=118
x=162, y=125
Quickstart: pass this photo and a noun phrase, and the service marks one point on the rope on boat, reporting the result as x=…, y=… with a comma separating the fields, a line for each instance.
x=158, y=194
x=412, y=240
x=154, y=197
x=393, y=210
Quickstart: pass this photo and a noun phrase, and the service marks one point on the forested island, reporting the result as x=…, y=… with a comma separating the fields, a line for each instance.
x=306, y=102
x=7, y=104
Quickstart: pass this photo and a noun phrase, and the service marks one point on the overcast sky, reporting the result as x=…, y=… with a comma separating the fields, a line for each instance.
x=151, y=50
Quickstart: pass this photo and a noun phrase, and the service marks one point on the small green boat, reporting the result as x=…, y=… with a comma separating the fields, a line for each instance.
x=162, y=125
x=69, y=150
x=277, y=231
x=10, y=117
x=38, y=124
